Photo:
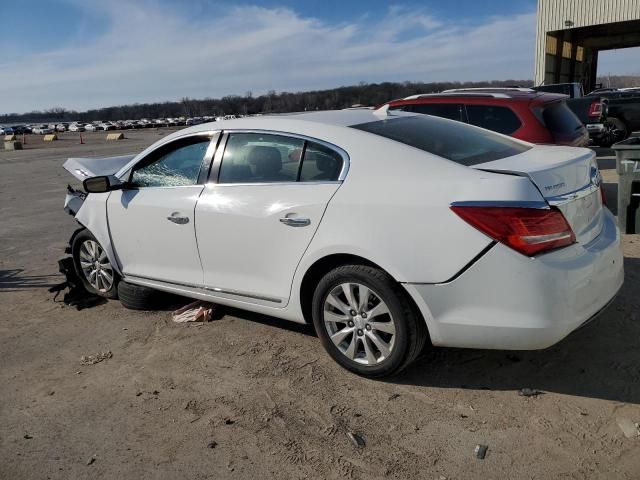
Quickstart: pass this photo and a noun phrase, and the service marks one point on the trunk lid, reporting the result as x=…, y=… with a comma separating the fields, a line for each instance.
x=83, y=168
x=568, y=178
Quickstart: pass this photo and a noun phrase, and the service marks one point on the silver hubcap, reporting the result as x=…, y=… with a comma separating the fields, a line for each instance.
x=95, y=266
x=359, y=323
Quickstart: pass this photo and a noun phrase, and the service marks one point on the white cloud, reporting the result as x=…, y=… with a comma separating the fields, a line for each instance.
x=154, y=54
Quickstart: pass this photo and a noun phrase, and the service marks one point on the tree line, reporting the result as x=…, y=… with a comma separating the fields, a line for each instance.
x=272, y=102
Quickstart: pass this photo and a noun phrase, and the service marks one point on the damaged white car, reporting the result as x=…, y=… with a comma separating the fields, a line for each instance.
x=386, y=230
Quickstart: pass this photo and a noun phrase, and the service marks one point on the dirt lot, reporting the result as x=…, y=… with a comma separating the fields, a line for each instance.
x=264, y=391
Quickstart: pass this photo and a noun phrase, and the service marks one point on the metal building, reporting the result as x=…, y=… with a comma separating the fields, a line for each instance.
x=570, y=34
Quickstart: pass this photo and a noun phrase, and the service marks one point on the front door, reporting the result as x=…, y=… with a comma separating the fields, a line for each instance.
x=152, y=220
x=255, y=223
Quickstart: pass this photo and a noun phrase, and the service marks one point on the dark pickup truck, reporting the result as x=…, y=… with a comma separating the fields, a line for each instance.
x=591, y=110
x=623, y=110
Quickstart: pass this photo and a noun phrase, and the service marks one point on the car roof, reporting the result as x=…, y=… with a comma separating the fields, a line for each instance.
x=338, y=118
x=476, y=95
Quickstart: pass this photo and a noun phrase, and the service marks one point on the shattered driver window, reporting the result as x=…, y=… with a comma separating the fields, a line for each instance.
x=175, y=167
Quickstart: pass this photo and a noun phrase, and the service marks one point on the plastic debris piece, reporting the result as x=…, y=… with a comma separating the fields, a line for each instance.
x=197, y=311
x=212, y=444
x=356, y=439
x=481, y=451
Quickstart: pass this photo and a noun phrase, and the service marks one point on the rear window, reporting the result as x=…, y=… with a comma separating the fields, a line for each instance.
x=561, y=121
x=454, y=141
x=498, y=119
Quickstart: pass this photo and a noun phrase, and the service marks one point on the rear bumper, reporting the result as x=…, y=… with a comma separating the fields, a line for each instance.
x=512, y=302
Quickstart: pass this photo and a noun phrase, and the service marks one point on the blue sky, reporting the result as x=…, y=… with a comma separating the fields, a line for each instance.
x=82, y=53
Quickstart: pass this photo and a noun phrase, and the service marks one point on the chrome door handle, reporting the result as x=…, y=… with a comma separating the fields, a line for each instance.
x=177, y=218
x=295, y=221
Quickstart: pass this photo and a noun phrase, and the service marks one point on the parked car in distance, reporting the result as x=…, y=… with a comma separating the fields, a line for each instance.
x=62, y=127
x=21, y=129
x=6, y=131
x=521, y=113
x=76, y=127
x=386, y=230
x=42, y=130
x=90, y=127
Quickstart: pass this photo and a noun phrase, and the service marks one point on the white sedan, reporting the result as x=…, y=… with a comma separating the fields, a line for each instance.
x=388, y=231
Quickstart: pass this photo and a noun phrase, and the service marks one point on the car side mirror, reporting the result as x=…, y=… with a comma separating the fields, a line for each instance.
x=101, y=184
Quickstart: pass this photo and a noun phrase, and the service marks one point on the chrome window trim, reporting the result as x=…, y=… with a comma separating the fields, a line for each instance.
x=503, y=204
x=218, y=159
x=224, y=291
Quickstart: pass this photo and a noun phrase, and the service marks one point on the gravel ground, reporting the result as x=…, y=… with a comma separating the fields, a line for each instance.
x=247, y=396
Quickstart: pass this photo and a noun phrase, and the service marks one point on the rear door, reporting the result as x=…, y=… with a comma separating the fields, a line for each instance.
x=258, y=214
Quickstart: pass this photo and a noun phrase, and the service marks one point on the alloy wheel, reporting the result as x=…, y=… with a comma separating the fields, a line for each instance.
x=359, y=323
x=95, y=266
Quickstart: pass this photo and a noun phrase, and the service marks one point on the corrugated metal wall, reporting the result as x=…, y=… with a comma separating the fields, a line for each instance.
x=553, y=13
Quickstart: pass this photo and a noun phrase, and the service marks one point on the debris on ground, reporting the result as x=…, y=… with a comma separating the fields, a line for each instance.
x=628, y=427
x=197, y=311
x=212, y=444
x=27, y=436
x=529, y=392
x=77, y=296
x=481, y=451
x=356, y=439
x=96, y=358
x=393, y=396
x=91, y=460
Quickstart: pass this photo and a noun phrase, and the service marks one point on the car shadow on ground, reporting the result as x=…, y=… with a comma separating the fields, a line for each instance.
x=303, y=328
x=600, y=360
x=13, y=280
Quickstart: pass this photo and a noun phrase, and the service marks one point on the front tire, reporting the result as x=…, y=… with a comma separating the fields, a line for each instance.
x=93, y=266
x=366, y=322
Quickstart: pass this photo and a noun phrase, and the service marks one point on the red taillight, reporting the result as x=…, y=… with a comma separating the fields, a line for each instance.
x=595, y=109
x=529, y=231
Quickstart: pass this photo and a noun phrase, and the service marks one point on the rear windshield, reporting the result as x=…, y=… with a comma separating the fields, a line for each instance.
x=561, y=121
x=454, y=141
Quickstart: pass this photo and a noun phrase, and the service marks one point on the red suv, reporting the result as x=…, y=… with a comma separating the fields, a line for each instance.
x=526, y=114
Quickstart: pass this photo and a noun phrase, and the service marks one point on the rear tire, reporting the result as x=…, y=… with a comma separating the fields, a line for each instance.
x=620, y=131
x=386, y=333
x=136, y=297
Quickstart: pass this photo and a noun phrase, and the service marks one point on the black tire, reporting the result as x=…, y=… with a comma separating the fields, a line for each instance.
x=136, y=297
x=620, y=129
x=76, y=244
x=410, y=330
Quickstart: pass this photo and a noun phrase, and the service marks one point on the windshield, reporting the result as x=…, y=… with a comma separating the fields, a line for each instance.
x=452, y=140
